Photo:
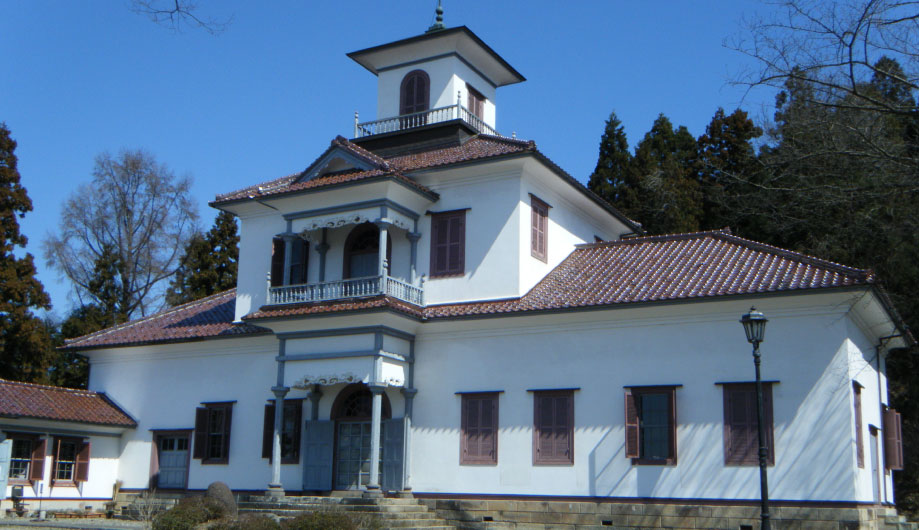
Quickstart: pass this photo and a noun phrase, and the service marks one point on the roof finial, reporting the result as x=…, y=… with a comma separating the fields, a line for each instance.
x=439, y=20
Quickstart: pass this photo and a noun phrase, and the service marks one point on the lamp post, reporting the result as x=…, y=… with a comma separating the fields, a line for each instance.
x=754, y=325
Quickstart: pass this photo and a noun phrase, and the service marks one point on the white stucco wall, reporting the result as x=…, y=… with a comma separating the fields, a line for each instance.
x=694, y=346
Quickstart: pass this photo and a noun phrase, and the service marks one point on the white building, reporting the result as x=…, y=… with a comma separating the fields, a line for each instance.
x=518, y=338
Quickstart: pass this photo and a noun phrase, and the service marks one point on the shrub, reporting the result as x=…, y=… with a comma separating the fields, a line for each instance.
x=188, y=513
x=325, y=520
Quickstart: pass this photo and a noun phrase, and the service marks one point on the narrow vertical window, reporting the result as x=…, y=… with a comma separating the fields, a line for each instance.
x=414, y=98
x=448, y=243
x=299, y=259
x=539, y=229
x=741, y=426
x=479, y=435
x=212, y=433
x=859, y=437
x=277, y=262
x=650, y=425
x=475, y=102
x=553, y=427
x=290, y=431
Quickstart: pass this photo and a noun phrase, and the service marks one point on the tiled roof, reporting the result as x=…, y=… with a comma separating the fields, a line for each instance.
x=59, y=404
x=672, y=267
x=638, y=270
x=208, y=317
x=476, y=148
x=338, y=306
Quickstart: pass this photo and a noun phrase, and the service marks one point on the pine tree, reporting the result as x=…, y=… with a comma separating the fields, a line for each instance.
x=209, y=264
x=609, y=179
x=25, y=346
x=662, y=191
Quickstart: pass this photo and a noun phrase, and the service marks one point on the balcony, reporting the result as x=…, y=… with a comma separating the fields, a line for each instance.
x=346, y=289
x=419, y=119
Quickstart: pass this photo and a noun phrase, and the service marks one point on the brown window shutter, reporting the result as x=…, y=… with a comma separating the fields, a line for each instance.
x=893, y=440
x=277, y=262
x=200, y=449
x=228, y=415
x=448, y=243
x=268, y=432
x=672, y=459
x=37, y=465
x=298, y=422
x=631, y=426
x=553, y=441
x=82, y=463
x=859, y=440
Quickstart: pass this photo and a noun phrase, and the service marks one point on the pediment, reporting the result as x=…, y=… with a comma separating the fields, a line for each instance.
x=342, y=155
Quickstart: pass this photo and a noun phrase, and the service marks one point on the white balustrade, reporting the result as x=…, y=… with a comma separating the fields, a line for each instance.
x=345, y=289
x=418, y=119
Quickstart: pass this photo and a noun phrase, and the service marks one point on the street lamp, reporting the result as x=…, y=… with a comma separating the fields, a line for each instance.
x=754, y=325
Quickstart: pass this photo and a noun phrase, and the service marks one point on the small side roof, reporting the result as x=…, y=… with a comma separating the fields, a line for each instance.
x=460, y=40
x=28, y=400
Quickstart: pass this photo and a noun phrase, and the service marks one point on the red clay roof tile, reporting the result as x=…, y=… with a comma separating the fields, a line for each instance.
x=60, y=404
x=208, y=317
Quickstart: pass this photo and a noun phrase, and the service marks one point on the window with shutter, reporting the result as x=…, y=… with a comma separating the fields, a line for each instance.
x=71, y=461
x=212, y=433
x=37, y=466
x=300, y=255
x=290, y=431
x=479, y=432
x=21, y=457
x=475, y=102
x=893, y=440
x=859, y=436
x=741, y=430
x=650, y=425
x=553, y=429
x=539, y=229
x=448, y=243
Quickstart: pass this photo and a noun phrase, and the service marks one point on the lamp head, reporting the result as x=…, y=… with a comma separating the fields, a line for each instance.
x=754, y=325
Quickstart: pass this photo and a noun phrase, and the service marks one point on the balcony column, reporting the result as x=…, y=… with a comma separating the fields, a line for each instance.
x=315, y=395
x=275, y=488
x=373, y=487
x=322, y=248
x=384, y=234
x=413, y=238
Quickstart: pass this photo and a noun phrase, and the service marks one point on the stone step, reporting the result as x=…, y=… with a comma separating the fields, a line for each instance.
x=291, y=512
x=344, y=507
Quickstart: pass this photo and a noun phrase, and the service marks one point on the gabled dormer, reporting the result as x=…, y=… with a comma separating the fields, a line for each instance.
x=444, y=74
x=341, y=156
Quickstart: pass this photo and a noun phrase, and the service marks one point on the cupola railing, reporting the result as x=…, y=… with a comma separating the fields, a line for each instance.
x=345, y=289
x=419, y=119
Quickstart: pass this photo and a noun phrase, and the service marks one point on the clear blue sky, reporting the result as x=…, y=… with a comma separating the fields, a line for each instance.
x=265, y=97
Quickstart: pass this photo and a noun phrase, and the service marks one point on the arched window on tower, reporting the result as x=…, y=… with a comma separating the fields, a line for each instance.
x=414, y=96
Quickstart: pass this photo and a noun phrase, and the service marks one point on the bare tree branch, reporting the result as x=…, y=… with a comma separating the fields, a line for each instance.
x=174, y=14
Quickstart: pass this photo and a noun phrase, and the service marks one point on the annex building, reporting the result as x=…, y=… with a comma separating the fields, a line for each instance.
x=433, y=308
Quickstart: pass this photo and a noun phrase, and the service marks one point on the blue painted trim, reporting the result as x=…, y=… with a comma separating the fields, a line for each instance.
x=338, y=332
x=382, y=203
x=342, y=355
x=7, y=428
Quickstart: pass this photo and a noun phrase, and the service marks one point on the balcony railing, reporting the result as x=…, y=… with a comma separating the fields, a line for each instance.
x=418, y=119
x=344, y=289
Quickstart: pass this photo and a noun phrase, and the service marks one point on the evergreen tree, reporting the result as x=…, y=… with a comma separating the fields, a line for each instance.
x=209, y=264
x=727, y=167
x=609, y=179
x=25, y=346
x=662, y=191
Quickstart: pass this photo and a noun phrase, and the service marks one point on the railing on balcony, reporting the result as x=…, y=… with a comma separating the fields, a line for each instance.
x=344, y=289
x=418, y=119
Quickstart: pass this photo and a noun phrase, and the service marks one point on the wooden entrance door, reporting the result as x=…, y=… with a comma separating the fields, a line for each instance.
x=173, y=461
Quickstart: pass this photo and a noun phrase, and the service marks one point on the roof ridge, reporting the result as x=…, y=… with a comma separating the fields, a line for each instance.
x=653, y=238
x=149, y=318
x=268, y=183
x=370, y=156
x=868, y=274
x=51, y=387
x=529, y=144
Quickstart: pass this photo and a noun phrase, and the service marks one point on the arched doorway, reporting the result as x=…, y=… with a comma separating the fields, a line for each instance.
x=362, y=251
x=352, y=412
